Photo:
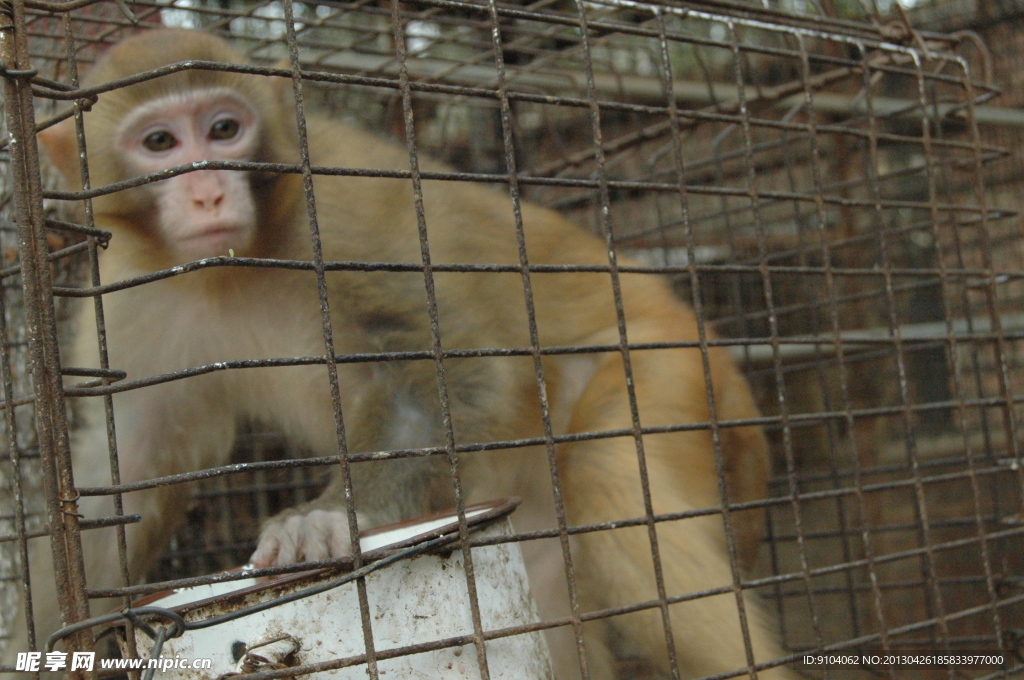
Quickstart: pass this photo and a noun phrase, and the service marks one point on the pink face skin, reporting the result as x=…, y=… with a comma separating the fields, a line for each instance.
x=202, y=213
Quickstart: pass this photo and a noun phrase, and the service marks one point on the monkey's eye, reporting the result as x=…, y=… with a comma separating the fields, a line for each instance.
x=226, y=128
x=161, y=140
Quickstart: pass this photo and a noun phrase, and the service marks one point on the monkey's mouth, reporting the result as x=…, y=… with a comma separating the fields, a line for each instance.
x=216, y=239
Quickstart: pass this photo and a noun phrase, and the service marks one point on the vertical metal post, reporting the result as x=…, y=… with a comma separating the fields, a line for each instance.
x=44, y=358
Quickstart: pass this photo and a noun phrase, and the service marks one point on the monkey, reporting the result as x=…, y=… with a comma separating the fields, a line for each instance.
x=218, y=313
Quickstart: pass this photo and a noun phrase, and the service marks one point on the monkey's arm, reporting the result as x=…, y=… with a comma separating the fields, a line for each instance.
x=381, y=418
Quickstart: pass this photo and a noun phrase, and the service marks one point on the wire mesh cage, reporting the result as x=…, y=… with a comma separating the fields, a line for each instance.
x=813, y=186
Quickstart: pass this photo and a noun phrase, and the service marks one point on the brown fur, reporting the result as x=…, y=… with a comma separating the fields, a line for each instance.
x=232, y=313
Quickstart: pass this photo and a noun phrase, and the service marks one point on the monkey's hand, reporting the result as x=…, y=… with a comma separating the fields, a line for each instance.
x=302, y=535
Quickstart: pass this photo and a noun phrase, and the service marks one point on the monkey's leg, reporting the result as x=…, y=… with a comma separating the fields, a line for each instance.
x=601, y=482
x=157, y=435
x=102, y=568
x=383, y=491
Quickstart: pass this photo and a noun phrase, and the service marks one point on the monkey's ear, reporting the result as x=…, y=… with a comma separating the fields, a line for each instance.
x=62, y=148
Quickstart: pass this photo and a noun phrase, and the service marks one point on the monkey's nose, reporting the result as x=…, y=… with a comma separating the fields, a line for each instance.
x=211, y=202
x=205, y=189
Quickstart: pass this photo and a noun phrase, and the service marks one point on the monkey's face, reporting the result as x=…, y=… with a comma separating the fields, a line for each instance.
x=204, y=212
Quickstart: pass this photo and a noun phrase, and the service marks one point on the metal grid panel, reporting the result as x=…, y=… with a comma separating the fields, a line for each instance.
x=816, y=193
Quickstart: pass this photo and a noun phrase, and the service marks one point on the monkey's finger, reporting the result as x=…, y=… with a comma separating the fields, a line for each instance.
x=266, y=551
x=341, y=544
x=331, y=528
x=289, y=536
x=315, y=535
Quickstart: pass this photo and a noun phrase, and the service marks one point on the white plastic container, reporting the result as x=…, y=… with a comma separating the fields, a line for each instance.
x=423, y=599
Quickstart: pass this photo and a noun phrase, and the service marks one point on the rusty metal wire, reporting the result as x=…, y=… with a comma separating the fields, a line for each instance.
x=815, y=187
